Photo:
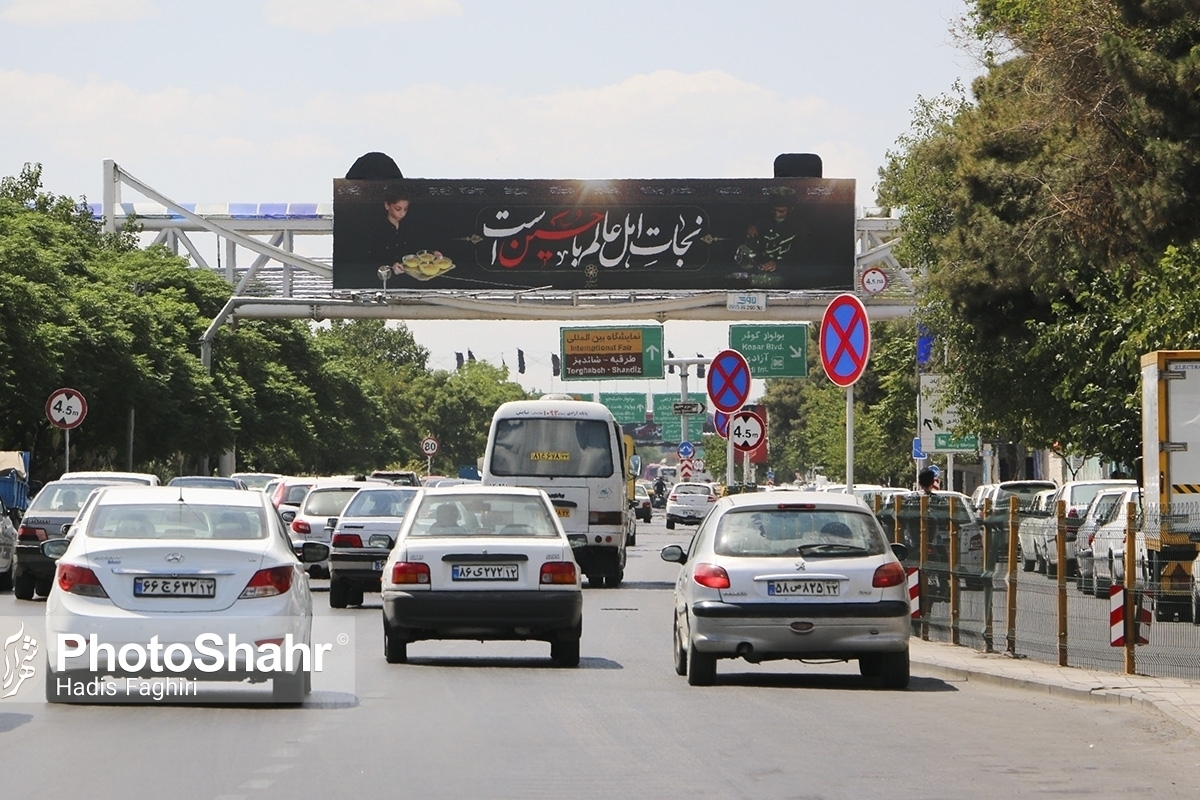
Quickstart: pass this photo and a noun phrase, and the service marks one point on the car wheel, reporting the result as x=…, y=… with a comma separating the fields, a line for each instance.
x=893, y=672
x=1195, y=608
x=670, y=524
x=565, y=653
x=1051, y=570
x=23, y=586
x=1100, y=588
x=337, y=594
x=6, y=578
x=869, y=666
x=614, y=580
x=681, y=659
x=354, y=597
x=395, y=649
x=44, y=585
x=701, y=667
x=595, y=581
x=1027, y=564
x=1080, y=581
x=631, y=540
x=290, y=687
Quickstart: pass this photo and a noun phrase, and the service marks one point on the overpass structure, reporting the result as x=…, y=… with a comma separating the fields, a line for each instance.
x=273, y=279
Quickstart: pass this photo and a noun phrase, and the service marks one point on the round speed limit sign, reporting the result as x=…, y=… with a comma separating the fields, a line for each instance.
x=66, y=408
x=429, y=446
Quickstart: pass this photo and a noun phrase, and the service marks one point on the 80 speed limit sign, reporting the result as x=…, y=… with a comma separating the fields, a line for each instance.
x=429, y=446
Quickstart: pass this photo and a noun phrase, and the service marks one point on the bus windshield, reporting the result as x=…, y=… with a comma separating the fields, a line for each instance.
x=549, y=447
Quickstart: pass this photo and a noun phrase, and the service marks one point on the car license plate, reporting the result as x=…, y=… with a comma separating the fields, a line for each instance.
x=174, y=587
x=483, y=572
x=564, y=513
x=377, y=566
x=804, y=588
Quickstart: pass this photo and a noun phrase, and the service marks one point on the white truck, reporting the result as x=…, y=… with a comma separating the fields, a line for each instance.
x=1171, y=477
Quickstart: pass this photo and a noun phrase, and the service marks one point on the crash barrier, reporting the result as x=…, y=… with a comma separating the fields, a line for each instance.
x=977, y=586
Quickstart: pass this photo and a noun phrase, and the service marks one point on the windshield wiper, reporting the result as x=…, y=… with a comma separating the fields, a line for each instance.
x=830, y=547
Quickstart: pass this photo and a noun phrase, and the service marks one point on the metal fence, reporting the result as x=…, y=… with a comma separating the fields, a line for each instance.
x=980, y=586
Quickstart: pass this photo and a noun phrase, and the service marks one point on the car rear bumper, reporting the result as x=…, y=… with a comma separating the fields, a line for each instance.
x=29, y=560
x=762, y=631
x=483, y=615
x=357, y=566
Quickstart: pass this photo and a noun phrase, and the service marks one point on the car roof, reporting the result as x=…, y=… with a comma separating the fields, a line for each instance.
x=110, y=475
x=476, y=488
x=129, y=494
x=794, y=497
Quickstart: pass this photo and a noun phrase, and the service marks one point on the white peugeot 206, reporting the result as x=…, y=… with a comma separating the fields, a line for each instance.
x=791, y=575
x=178, y=585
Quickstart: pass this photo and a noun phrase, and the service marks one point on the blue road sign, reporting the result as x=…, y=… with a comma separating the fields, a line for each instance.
x=917, y=454
x=686, y=450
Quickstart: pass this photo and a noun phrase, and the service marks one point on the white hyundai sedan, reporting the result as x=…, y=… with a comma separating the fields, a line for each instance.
x=791, y=575
x=179, y=585
x=483, y=563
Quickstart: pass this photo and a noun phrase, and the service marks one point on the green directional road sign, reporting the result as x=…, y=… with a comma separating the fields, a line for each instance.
x=593, y=353
x=772, y=351
x=628, y=407
x=672, y=429
x=947, y=443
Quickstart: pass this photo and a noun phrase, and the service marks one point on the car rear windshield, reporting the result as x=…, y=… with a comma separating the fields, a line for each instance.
x=379, y=503
x=1024, y=492
x=327, y=502
x=483, y=515
x=691, y=488
x=792, y=532
x=177, y=521
x=62, y=498
x=568, y=448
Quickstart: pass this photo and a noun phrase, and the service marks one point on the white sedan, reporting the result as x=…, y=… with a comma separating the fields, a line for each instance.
x=482, y=563
x=178, y=585
x=791, y=575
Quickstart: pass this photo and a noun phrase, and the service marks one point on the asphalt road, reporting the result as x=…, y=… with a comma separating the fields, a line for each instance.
x=498, y=720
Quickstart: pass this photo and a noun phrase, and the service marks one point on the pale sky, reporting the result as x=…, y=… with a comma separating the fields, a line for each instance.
x=270, y=100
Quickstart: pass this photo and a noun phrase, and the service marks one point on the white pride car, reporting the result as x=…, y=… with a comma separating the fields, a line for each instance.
x=179, y=585
x=483, y=563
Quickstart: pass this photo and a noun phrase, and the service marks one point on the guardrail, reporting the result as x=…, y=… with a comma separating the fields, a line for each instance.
x=974, y=591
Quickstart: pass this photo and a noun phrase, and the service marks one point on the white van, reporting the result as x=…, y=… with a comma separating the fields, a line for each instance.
x=573, y=450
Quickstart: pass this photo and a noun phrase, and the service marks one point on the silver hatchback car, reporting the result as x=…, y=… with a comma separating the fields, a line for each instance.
x=796, y=575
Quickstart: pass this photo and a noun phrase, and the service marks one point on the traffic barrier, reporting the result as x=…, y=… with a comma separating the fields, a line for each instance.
x=1116, y=616
x=914, y=591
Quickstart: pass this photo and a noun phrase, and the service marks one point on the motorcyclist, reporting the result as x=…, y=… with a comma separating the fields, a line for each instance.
x=660, y=492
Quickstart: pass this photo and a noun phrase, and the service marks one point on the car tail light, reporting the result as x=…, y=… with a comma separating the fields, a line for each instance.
x=673, y=497
x=558, y=572
x=79, y=580
x=347, y=540
x=300, y=526
x=410, y=572
x=890, y=574
x=711, y=575
x=605, y=518
x=809, y=506
x=712, y=498
x=30, y=534
x=269, y=582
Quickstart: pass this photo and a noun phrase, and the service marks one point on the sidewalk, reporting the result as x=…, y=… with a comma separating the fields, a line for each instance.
x=1177, y=699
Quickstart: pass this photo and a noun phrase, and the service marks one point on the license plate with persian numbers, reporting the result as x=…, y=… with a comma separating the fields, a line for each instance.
x=805, y=588
x=174, y=587
x=563, y=513
x=377, y=566
x=484, y=572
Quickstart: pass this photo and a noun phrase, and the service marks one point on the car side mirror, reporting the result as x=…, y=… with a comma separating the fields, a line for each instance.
x=287, y=516
x=900, y=550
x=312, y=552
x=54, y=548
x=673, y=553
x=331, y=523
x=380, y=540
x=63, y=530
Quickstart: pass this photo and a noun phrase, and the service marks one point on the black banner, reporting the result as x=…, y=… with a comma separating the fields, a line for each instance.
x=765, y=233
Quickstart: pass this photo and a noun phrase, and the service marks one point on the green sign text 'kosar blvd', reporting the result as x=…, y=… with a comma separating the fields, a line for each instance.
x=772, y=351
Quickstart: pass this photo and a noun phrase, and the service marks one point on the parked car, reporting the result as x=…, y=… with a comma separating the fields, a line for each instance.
x=8, y=549
x=795, y=575
x=314, y=520
x=983, y=492
x=486, y=563
x=51, y=511
x=174, y=563
x=688, y=503
x=1108, y=543
x=362, y=538
x=1029, y=530
x=1076, y=495
x=208, y=482
x=1024, y=490
x=1099, y=510
x=642, y=505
